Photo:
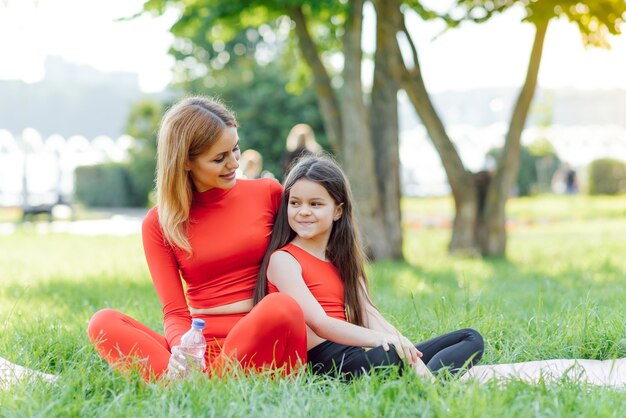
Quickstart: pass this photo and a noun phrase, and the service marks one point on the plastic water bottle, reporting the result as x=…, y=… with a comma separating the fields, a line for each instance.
x=193, y=344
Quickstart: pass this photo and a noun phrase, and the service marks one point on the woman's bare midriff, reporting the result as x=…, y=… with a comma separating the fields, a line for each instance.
x=241, y=306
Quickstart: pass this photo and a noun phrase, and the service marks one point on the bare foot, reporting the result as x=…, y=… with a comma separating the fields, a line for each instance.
x=422, y=371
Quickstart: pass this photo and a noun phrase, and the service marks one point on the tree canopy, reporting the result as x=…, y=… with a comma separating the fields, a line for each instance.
x=360, y=123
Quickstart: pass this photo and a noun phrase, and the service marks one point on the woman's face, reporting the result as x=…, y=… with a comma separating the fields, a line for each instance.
x=216, y=167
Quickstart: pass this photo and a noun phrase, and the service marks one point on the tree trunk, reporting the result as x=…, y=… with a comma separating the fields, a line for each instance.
x=384, y=126
x=508, y=164
x=326, y=99
x=460, y=180
x=358, y=154
x=482, y=179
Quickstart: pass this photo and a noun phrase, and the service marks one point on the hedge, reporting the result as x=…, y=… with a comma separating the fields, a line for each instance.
x=607, y=176
x=106, y=185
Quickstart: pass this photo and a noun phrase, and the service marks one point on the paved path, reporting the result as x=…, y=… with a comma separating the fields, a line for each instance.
x=123, y=221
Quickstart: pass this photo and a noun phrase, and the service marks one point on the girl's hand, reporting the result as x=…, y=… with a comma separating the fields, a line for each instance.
x=404, y=347
x=179, y=365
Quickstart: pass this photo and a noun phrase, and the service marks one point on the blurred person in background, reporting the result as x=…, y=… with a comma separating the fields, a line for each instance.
x=251, y=164
x=565, y=180
x=300, y=141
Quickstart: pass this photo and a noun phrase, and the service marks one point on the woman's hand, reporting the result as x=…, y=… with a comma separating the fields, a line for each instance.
x=404, y=347
x=179, y=365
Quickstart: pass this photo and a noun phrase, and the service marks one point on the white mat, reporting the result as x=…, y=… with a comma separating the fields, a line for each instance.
x=11, y=374
x=595, y=372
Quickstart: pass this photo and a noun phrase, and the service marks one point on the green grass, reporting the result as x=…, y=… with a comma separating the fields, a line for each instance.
x=559, y=294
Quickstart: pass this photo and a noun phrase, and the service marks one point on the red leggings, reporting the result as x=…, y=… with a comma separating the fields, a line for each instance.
x=272, y=335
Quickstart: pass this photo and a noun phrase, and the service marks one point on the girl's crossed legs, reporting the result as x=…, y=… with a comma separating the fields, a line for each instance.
x=453, y=351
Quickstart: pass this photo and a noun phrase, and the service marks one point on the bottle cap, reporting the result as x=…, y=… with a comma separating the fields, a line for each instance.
x=197, y=323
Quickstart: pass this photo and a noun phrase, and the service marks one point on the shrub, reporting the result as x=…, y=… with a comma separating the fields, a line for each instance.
x=105, y=185
x=538, y=163
x=607, y=176
x=142, y=125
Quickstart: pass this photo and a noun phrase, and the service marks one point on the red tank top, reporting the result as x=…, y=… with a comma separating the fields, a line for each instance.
x=322, y=279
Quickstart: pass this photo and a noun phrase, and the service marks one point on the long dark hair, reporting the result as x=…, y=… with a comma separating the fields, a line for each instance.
x=344, y=248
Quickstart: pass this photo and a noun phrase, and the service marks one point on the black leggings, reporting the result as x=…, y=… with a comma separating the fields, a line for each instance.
x=452, y=351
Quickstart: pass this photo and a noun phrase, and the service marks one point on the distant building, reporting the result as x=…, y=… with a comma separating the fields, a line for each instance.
x=36, y=170
x=423, y=174
x=77, y=101
x=58, y=70
x=71, y=100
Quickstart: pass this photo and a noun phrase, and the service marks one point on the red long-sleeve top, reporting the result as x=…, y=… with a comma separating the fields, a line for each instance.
x=322, y=279
x=229, y=232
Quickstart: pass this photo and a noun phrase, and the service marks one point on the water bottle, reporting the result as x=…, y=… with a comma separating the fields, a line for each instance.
x=193, y=344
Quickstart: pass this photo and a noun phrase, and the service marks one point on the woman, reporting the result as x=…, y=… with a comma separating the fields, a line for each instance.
x=209, y=230
x=315, y=256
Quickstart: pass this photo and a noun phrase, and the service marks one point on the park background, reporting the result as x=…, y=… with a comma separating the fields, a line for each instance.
x=90, y=90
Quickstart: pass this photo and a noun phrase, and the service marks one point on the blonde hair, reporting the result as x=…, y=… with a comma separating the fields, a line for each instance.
x=302, y=136
x=188, y=129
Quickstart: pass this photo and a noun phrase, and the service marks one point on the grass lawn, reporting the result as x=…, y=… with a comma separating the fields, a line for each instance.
x=559, y=294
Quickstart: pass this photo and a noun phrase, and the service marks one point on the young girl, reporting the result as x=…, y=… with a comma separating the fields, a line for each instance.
x=315, y=257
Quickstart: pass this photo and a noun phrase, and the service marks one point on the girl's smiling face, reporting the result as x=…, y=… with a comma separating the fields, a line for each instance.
x=311, y=210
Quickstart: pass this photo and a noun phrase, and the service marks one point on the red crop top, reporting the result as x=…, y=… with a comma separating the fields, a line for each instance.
x=322, y=279
x=229, y=232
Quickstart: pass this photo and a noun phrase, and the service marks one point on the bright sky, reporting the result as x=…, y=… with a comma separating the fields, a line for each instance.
x=492, y=54
x=84, y=32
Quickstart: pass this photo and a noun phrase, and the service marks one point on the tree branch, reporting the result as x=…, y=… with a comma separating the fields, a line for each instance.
x=407, y=35
x=412, y=82
x=509, y=161
x=329, y=105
